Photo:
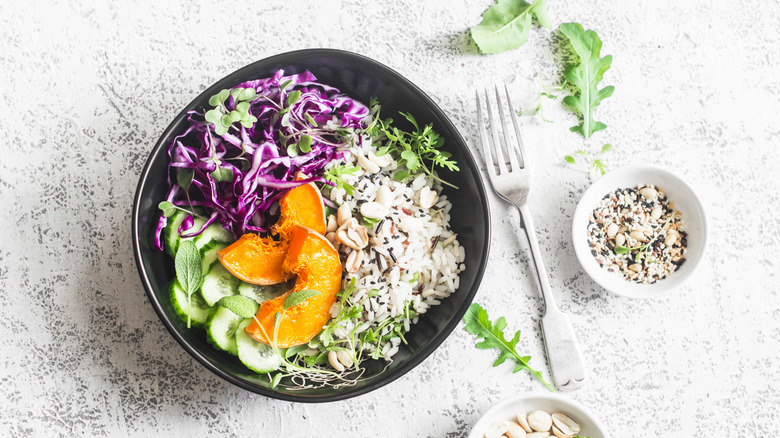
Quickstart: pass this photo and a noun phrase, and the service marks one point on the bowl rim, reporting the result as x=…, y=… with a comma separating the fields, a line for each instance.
x=599, y=275
x=230, y=79
x=565, y=402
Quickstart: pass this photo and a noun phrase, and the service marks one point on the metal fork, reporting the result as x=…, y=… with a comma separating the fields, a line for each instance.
x=508, y=173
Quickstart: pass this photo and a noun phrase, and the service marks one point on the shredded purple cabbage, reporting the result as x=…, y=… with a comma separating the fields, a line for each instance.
x=259, y=157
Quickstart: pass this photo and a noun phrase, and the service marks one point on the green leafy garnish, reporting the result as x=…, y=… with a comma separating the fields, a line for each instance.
x=299, y=297
x=335, y=174
x=587, y=163
x=222, y=174
x=167, y=208
x=184, y=178
x=418, y=151
x=506, y=25
x=223, y=119
x=585, y=76
x=242, y=306
x=478, y=324
x=188, y=271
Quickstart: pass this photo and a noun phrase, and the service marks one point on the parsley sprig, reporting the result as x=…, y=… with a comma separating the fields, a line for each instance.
x=417, y=151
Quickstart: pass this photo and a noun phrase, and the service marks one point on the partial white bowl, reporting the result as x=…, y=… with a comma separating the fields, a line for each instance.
x=551, y=403
x=694, y=220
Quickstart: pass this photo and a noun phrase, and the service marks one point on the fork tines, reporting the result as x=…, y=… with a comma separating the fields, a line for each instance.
x=508, y=153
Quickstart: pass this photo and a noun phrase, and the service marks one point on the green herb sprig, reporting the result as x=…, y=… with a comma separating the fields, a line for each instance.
x=335, y=174
x=585, y=76
x=588, y=164
x=478, y=324
x=188, y=271
x=223, y=119
x=417, y=151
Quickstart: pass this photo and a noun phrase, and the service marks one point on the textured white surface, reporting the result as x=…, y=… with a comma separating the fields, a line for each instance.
x=87, y=87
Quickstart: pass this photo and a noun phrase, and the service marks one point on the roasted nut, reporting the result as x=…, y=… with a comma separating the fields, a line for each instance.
x=344, y=213
x=352, y=234
x=565, y=424
x=540, y=421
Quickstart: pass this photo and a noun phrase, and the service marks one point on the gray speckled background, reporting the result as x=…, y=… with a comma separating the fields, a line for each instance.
x=86, y=88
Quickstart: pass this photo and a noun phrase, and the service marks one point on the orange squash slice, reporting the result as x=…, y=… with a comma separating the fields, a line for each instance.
x=316, y=263
x=258, y=260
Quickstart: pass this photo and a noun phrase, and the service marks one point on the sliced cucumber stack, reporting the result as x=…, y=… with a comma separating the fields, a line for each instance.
x=218, y=283
x=221, y=330
x=209, y=255
x=262, y=293
x=197, y=309
x=171, y=232
x=257, y=356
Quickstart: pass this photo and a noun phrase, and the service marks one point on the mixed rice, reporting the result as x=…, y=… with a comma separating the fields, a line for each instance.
x=396, y=244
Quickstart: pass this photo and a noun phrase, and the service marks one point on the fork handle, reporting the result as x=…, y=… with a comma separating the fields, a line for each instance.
x=560, y=341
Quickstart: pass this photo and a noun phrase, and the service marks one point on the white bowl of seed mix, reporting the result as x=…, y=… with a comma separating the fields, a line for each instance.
x=639, y=231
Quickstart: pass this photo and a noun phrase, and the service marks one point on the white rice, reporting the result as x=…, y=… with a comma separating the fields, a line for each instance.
x=415, y=237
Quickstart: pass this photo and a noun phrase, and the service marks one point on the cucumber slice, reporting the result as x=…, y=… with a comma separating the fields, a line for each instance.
x=171, y=232
x=257, y=356
x=209, y=255
x=262, y=293
x=221, y=330
x=218, y=283
x=198, y=311
x=213, y=233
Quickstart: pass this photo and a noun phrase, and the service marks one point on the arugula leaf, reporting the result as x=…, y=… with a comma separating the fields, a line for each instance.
x=188, y=270
x=585, y=76
x=298, y=297
x=506, y=25
x=478, y=324
x=242, y=306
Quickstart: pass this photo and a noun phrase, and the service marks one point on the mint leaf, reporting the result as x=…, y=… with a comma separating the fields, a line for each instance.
x=478, y=324
x=585, y=76
x=299, y=297
x=188, y=270
x=506, y=24
x=242, y=306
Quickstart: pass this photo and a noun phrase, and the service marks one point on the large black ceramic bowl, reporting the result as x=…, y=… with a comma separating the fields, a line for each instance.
x=360, y=78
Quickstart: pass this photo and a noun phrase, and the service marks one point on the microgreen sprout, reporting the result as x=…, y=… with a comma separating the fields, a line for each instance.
x=222, y=117
x=584, y=161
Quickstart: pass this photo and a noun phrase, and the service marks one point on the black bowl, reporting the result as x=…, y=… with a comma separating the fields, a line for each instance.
x=361, y=78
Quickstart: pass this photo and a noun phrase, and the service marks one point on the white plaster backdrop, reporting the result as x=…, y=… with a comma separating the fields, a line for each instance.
x=86, y=87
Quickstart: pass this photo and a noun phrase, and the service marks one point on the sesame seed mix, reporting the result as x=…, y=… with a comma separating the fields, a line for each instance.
x=636, y=233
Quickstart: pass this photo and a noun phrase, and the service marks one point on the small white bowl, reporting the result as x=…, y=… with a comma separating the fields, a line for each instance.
x=509, y=408
x=694, y=220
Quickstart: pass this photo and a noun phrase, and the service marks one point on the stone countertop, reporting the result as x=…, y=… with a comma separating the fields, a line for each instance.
x=87, y=87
